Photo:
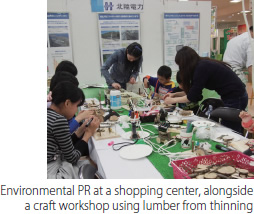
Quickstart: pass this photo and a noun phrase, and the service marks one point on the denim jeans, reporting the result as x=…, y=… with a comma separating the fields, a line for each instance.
x=239, y=103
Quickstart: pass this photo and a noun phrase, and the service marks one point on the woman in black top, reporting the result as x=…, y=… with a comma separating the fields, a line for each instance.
x=198, y=73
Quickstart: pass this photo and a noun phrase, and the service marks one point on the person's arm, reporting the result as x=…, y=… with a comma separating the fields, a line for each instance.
x=73, y=124
x=63, y=138
x=106, y=66
x=170, y=100
x=135, y=73
x=178, y=94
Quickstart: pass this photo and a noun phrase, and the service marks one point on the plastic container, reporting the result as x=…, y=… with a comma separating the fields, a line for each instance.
x=181, y=168
x=115, y=99
x=185, y=139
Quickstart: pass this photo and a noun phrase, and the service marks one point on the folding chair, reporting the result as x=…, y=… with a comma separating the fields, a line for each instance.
x=208, y=105
x=226, y=113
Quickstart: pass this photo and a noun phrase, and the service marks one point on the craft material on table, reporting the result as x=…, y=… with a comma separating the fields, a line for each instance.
x=105, y=133
x=200, y=123
x=221, y=137
x=127, y=135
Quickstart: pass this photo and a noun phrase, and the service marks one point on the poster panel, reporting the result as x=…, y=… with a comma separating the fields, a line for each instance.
x=117, y=31
x=59, y=40
x=180, y=29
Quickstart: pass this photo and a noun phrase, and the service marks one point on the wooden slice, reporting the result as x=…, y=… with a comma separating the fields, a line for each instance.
x=200, y=177
x=227, y=138
x=200, y=170
x=113, y=118
x=250, y=174
x=226, y=170
x=210, y=175
x=243, y=171
x=243, y=176
x=202, y=166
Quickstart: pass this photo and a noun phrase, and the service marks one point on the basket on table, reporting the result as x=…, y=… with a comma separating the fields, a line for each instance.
x=181, y=168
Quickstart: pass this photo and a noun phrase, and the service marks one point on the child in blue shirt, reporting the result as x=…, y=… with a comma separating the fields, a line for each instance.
x=162, y=83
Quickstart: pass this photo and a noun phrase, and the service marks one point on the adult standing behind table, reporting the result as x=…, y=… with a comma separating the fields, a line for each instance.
x=198, y=73
x=124, y=65
x=239, y=55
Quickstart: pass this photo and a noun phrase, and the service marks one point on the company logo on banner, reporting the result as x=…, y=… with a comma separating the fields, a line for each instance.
x=117, y=5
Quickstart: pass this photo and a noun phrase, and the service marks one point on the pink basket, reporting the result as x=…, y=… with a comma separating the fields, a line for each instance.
x=182, y=168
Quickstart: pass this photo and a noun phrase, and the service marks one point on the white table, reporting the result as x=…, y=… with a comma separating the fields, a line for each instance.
x=112, y=166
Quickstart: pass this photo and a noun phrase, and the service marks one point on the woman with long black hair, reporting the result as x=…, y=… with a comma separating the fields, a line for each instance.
x=124, y=65
x=198, y=73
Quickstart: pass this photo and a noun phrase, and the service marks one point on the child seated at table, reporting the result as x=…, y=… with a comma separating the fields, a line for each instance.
x=62, y=76
x=162, y=83
x=64, y=149
x=179, y=92
x=63, y=66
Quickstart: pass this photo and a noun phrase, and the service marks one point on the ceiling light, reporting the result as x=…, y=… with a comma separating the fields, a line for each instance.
x=183, y=0
x=223, y=20
x=246, y=11
x=235, y=1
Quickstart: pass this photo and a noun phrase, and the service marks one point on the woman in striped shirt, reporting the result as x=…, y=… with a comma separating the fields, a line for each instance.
x=64, y=149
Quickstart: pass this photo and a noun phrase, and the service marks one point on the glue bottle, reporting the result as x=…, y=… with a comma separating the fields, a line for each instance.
x=115, y=99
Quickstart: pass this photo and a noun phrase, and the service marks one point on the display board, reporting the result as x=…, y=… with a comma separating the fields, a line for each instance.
x=117, y=31
x=59, y=40
x=180, y=29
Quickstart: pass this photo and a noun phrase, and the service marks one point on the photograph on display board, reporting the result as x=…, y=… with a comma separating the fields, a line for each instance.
x=59, y=40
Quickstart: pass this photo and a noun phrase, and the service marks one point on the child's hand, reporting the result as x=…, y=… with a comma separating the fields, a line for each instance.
x=245, y=116
x=49, y=96
x=167, y=95
x=169, y=100
x=145, y=82
x=84, y=114
x=90, y=130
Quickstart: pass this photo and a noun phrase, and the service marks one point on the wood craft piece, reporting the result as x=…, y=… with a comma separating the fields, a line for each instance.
x=240, y=145
x=105, y=133
x=186, y=112
x=113, y=118
x=223, y=171
x=200, y=177
x=211, y=175
x=226, y=170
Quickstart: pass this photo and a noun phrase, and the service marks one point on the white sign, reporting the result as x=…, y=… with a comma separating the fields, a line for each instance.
x=59, y=40
x=109, y=6
x=117, y=31
x=180, y=29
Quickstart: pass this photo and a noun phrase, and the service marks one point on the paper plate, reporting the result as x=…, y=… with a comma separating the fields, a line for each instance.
x=229, y=134
x=200, y=123
x=135, y=151
x=127, y=135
